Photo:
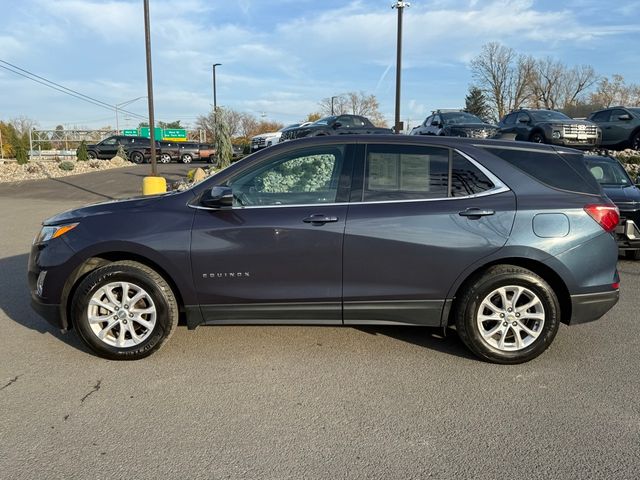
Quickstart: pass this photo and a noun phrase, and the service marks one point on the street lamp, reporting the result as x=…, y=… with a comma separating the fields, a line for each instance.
x=215, y=104
x=400, y=6
x=124, y=104
x=332, y=98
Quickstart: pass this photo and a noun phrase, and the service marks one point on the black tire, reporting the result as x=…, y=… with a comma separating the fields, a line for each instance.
x=137, y=157
x=213, y=160
x=91, y=155
x=537, y=137
x=139, y=276
x=187, y=158
x=635, y=141
x=467, y=310
x=632, y=254
x=165, y=158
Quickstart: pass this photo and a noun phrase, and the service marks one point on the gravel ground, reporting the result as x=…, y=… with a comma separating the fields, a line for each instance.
x=12, y=172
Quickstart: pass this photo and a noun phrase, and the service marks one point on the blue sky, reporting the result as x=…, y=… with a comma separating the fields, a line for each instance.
x=281, y=57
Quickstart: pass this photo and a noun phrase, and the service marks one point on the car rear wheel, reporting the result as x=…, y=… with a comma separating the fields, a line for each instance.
x=187, y=158
x=213, y=160
x=537, y=137
x=165, y=158
x=507, y=315
x=137, y=157
x=124, y=311
x=635, y=141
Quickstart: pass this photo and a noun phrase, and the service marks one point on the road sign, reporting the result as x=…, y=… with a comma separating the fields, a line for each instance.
x=175, y=134
x=145, y=132
x=130, y=133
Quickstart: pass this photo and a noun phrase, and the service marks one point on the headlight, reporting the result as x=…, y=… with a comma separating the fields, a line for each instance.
x=50, y=232
x=557, y=134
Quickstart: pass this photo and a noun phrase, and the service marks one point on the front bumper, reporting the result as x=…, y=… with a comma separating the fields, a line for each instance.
x=50, y=312
x=628, y=235
x=591, y=306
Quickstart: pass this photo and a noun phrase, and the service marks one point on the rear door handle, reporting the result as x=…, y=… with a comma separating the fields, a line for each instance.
x=476, y=213
x=319, y=219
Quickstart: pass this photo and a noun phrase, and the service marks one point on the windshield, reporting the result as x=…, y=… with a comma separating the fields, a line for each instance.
x=547, y=115
x=607, y=171
x=460, y=117
x=324, y=121
x=293, y=125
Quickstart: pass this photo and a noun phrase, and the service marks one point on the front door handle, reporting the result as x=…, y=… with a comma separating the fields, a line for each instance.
x=475, y=213
x=319, y=219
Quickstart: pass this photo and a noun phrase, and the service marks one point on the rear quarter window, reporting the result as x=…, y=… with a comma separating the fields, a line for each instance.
x=564, y=172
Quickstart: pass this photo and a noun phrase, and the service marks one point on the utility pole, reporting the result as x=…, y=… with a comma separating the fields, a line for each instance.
x=400, y=6
x=1, y=149
x=152, y=124
x=332, y=98
x=215, y=99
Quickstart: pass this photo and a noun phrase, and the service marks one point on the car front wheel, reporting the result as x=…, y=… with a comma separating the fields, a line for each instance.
x=165, y=158
x=92, y=155
x=635, y=142
x=187, y=158
x=137, y=157
x=507, y=315
x=124, y=311
x=538, y=138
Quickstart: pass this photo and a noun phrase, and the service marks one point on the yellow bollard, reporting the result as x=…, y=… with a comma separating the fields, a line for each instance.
x=154, y=185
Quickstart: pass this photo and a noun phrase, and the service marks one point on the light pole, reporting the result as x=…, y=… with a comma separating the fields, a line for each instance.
x=400, y=6
x=152, y=135
x=215, y=100
x=332, y=104
x=124, y=104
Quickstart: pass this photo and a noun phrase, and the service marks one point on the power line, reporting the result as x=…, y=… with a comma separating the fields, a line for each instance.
x=61, y=88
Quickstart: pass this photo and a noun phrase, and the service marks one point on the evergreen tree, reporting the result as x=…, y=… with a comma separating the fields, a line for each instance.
x=476, y=103
x=222, y=141
x=82, y=154
x=21, y=156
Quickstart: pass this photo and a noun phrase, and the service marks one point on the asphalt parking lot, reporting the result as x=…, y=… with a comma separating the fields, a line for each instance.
x=302, y=402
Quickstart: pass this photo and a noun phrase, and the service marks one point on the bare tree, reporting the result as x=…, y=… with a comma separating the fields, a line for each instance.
x=23, y=125
x=615, y=92
x=503, y=76
x=355, y=103
x=555, y=86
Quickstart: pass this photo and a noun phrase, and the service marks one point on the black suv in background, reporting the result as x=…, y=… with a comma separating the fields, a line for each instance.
x=621, y=189
x=334, y=125
x=620, y=127
x=455, y=123
x=138, y=148
x=549, y=126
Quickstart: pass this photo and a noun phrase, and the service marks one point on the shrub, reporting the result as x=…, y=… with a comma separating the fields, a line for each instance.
x=34, y=168
x=95, y=164
x=82, y=154
x=21, y=156
x=122, y=153
x=67, y=166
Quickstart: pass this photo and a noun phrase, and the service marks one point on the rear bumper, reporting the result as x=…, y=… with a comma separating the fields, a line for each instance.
x=591, y=306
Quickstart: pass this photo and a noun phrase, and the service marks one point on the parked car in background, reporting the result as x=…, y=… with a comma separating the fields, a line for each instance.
x=285, y=135
x=169, y=152
x=620, y=127
x=138, y=149
x=265, y=140
x=189, y=151
x=503, y=241
x=207, y=152
x=618, y=185
x=455, y=123
x=336, y=125
x=549, y=126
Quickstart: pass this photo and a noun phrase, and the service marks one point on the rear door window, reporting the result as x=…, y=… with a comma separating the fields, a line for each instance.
x=564, y=172
x=601, y=117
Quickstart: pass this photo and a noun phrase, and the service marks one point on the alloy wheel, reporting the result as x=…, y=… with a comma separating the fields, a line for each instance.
x=510, y=318
x=121, y=314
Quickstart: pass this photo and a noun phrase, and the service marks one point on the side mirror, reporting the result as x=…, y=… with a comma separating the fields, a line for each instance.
x=523, y=120
x=217, y=197
x=436, y=124
x=337, y=125
x=625, y=117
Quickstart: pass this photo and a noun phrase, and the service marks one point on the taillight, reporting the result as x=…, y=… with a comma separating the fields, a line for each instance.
x=606, y=215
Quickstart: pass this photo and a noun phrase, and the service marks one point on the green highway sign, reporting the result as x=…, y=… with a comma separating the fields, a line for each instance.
x=175, y=134
x=145, y=132
x=130, y=133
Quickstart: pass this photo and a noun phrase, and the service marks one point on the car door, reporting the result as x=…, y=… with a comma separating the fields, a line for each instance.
x=412, y=228
x=276, y=255
x=619, y=130
x=602, y=120
x=522, y=126
x=108, y=148
x=344, y=125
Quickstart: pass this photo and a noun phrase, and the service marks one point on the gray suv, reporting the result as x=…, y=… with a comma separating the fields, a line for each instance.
x=501, y=241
